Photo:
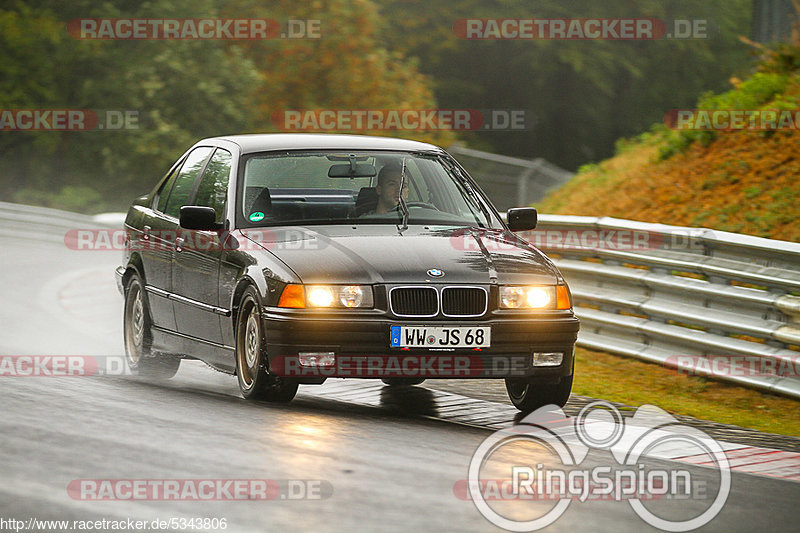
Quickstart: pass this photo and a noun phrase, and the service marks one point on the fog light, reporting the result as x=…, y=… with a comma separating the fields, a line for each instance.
x=317, y=358
x=547, y=358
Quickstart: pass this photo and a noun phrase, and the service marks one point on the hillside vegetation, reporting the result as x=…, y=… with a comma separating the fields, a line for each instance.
x=742, y=181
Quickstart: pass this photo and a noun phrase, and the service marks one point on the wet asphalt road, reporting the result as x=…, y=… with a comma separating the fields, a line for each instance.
x=377, y=469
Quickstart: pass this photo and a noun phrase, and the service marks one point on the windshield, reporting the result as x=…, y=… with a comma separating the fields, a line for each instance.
x=357, y=188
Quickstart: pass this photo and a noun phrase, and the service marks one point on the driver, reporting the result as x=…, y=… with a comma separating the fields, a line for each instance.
x=388, y=188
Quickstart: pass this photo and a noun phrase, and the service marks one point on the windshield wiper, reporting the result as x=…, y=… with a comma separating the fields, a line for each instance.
x=404, y=224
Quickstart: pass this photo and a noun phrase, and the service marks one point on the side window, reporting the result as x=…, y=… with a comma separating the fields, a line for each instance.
x=184, y=183
x=213, y=188
x=163, y=193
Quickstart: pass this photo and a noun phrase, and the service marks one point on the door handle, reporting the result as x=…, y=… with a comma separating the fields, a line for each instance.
x=178, y=244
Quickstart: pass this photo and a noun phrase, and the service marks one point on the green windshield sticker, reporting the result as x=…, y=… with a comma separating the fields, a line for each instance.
x=256, y=216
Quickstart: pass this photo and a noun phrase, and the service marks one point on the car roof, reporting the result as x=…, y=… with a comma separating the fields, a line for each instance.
x=316, y=141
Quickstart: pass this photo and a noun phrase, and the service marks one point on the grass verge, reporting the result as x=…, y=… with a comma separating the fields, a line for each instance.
x=633, y=382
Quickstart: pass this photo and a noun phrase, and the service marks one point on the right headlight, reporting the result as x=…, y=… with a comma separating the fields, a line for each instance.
x=534, y=297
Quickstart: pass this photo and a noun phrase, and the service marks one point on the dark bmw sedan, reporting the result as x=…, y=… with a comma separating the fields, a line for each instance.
x=289, y=259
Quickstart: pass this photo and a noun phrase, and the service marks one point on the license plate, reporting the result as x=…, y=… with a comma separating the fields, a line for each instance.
x=440, y=337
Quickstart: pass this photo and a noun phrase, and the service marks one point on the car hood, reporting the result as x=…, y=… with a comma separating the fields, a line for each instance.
x=381, y=254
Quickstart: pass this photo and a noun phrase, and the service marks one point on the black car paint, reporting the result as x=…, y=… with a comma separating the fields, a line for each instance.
x=193, y=294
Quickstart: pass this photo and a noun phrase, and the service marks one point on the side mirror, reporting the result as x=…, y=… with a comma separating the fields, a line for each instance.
x=198, y=218
x=522, y=218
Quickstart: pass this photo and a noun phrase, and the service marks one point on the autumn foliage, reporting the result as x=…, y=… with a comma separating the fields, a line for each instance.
x=345, y=69
x=740, y=181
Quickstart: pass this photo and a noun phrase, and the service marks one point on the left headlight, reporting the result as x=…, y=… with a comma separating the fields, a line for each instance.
x=328, y=296
x=534, y=297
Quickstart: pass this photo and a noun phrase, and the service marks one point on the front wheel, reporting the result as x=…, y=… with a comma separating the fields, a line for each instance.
x=142, y=360
x=527, y=394
x=255, y=381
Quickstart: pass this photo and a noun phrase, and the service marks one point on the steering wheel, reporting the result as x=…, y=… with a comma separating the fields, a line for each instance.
x=417, y=204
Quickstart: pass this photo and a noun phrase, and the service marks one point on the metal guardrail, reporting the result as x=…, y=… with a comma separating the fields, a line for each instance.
x=27, y=221
x=712, y=303
x=511, y=181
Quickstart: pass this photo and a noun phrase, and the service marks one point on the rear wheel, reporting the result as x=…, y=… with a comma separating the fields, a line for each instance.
x=402, y=382
x=530, y=394
x=255, y=381
x=142, y=360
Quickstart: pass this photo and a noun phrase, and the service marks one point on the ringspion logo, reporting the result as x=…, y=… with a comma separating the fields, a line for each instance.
x=510, y=465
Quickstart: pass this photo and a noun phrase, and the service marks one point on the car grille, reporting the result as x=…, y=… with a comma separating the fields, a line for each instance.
x=414, y=301
x=463, y=301
x=425, y=301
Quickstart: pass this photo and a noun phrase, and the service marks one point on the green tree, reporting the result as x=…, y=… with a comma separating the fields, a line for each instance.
x=182, y=91
x=582, y=95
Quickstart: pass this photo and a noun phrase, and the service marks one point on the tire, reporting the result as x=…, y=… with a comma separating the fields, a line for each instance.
x=402, y=382
x=529, y=394
x=255, y=381
x=142, y=360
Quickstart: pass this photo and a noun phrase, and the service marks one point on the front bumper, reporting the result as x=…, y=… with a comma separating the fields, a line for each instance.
x=360, y=347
